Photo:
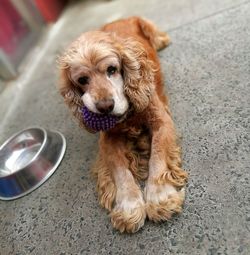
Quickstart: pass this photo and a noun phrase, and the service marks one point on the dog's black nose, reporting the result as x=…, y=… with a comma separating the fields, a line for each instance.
x=105, y=106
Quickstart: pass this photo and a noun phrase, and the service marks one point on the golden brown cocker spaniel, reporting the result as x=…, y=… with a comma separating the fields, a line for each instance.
x=116, y=72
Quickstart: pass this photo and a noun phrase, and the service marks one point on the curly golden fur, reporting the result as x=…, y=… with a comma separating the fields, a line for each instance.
x=119, y=64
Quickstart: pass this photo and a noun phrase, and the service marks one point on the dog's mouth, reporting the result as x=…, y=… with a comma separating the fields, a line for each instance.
x=125, y=115
x=122, y=117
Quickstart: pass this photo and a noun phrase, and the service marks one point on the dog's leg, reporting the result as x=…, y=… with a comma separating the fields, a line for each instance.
x=164, y=192
x=118, y=184
x=129, y=211
x=105, y=185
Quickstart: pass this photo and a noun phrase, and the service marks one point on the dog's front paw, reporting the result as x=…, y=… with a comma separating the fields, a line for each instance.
x=129, y=214
x=162, y=201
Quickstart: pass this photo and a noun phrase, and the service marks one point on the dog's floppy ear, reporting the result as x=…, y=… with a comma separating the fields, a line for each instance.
x=138, y=73
x=71, y=95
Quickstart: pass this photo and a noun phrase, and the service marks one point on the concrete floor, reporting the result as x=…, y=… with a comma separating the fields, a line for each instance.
x=207, y=74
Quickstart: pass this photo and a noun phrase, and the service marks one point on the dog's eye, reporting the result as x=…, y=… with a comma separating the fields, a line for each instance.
x=83, y=80
x=111, y=70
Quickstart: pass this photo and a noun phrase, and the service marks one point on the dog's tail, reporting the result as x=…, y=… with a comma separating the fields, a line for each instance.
x=158, y=39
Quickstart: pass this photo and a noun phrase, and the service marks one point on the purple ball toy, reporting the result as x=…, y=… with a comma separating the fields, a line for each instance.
x=98, y=122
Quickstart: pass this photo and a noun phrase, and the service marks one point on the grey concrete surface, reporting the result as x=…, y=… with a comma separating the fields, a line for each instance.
x=207, y=74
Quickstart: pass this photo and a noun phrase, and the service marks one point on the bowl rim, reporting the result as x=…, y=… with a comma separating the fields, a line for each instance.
x=48, y=175
x=36, y=154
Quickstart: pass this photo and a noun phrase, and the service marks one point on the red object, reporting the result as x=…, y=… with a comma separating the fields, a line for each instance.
x=50, y=10
x=13, y=29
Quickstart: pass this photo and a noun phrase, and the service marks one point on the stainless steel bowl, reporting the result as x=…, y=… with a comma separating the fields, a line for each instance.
x=28, y=159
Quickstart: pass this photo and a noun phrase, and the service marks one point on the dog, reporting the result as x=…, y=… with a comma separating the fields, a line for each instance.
x=115, y=71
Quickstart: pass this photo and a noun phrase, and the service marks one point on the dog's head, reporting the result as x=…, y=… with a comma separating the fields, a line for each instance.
x=106, y=74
